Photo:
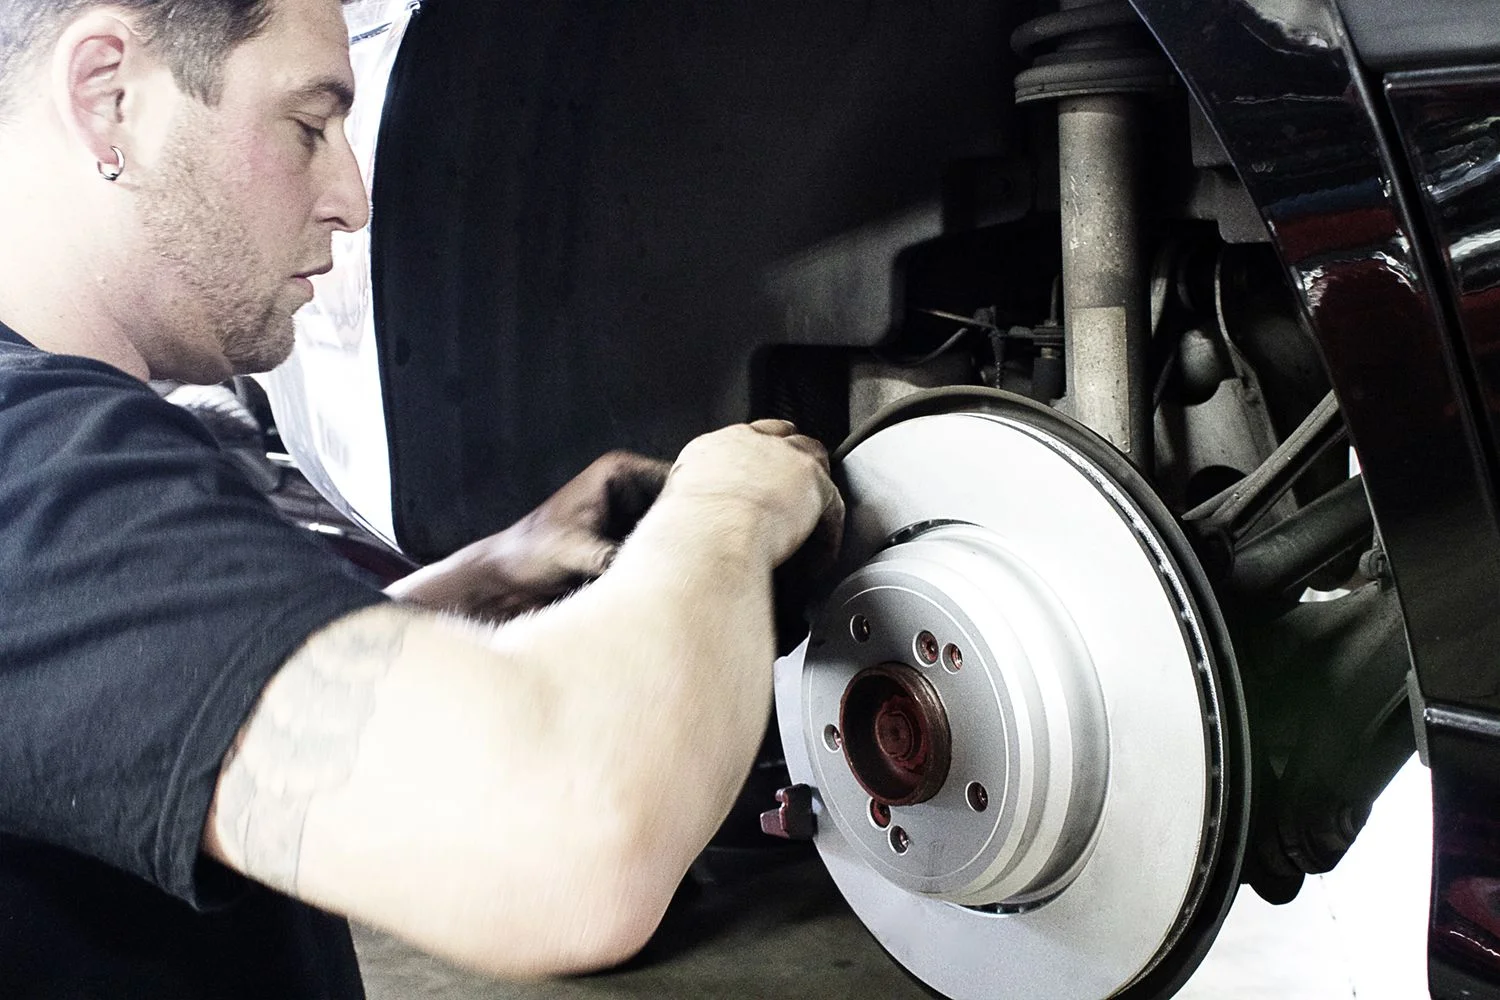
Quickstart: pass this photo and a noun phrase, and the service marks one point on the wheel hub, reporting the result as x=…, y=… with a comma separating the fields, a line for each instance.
x=964, y=684
x=895, y=734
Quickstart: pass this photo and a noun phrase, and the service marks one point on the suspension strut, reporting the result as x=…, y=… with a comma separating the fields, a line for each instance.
x=1096, y=60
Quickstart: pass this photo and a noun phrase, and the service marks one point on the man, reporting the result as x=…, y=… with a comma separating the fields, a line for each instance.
x=192, y=693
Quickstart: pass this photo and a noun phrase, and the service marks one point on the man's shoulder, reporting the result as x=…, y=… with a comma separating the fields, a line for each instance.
x=40, y=390
x=19, y=361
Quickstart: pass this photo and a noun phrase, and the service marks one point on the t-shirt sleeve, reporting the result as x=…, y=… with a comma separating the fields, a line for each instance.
x=148, y=593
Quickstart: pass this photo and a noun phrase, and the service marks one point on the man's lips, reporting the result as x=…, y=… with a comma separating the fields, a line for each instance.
x=304, y=279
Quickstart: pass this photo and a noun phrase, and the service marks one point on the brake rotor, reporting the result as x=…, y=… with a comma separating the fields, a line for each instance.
x=1019, y=711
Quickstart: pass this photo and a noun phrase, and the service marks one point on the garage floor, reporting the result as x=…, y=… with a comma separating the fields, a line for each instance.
x=786, y=933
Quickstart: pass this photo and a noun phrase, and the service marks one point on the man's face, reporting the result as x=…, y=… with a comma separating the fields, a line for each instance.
x=245, y=195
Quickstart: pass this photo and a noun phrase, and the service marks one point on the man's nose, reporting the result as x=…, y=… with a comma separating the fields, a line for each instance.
x=345, y=204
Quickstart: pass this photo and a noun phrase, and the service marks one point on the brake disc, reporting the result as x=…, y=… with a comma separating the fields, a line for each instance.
x=1019, y=711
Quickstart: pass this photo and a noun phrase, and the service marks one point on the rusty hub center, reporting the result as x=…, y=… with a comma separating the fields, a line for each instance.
x=896, y=737
x=898, y=732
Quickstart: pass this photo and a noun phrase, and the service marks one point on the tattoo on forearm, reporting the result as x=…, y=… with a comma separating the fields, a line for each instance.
x=302, y=741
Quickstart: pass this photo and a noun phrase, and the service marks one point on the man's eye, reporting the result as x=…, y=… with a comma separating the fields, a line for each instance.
x=311, y=136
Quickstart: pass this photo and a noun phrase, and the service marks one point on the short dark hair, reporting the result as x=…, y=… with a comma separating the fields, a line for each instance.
x=193, y=37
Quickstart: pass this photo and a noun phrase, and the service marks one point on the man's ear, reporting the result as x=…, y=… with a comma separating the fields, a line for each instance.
x=96, y=69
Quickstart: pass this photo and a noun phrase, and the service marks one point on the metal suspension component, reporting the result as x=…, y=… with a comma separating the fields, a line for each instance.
x=1234, y=512
x=1105, y=318
x=1101, y=61
x=1272, y=564
x=1327, y=683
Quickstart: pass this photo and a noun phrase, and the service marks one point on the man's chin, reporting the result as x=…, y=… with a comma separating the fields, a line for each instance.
x=267, y=353
x=263, y=364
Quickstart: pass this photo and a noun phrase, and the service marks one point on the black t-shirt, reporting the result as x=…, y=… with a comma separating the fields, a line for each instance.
x=147, y=594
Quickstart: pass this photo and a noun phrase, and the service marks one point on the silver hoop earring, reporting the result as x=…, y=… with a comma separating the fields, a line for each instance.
x=112, y=171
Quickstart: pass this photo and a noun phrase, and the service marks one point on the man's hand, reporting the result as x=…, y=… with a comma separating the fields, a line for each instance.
x=768, y=480
x=572, y=537
x=567, y=541
x=763, y=481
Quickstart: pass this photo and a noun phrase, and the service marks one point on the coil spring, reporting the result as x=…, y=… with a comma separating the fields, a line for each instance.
x=1100, y=48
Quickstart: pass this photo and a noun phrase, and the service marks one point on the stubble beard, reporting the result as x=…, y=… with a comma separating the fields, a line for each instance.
x=203, y=241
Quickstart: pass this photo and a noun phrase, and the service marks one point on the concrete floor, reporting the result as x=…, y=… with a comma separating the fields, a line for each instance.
x=786, y=933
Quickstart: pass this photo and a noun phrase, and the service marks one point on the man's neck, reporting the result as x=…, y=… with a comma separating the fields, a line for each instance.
x=58, y=297
x=65, y=332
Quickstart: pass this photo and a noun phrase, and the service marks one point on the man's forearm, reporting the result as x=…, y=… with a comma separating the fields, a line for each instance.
x=452, y=584
x=696, y=594
x=522, y=799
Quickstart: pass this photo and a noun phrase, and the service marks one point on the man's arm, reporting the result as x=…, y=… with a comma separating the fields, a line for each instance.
x=567, y=541
x=526, y=799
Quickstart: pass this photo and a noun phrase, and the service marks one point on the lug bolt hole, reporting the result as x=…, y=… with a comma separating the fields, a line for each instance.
x=927, y=647
x=832, y=738
x=880, y=814
x=953, y=659
x=859, y=628
x=899, y=840
x=978, y=796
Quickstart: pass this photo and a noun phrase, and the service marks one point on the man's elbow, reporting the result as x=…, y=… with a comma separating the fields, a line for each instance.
x=621, y=911
x=611, y=940
x=599, y=912
x=591, y=937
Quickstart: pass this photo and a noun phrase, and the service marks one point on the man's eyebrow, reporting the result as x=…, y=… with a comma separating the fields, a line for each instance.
x=328, y=86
